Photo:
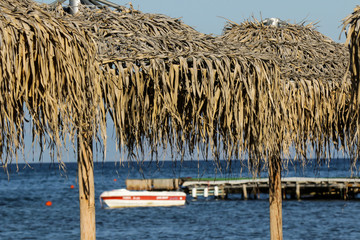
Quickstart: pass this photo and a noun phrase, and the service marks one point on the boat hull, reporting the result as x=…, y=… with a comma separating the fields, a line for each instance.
x=123, y=198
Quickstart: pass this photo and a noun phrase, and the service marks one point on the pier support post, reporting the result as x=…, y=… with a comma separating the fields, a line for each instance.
x=216, y=191
x=223, y=192
x=346, y=191
x=245, y=196
x=193, y=193
x=256, y=192
x=297, y=191
x=275, y=198
x=206, y=192
x=283, y=192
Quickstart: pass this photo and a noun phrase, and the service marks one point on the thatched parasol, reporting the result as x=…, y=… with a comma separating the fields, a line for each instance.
x=159, y=79
x=351, y=25
x=183, y=88
x=44, y=63
x=163, y=84
x=312, y=68
x=199, y=92
x=313, y=93
x=195, y=81
x=46, y=66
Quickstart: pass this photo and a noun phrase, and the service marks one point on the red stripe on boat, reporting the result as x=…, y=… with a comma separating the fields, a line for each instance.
x=161, y=198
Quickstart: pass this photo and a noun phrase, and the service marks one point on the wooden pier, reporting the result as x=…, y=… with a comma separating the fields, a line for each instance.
x=292, y=187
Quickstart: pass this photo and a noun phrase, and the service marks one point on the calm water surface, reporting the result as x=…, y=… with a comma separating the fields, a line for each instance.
x=25, y=216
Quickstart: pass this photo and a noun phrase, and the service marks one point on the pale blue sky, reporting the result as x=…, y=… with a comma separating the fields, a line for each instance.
x=207, y=16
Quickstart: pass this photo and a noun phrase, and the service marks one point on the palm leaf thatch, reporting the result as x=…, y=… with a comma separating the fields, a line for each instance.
x=164, y=84
x=44, y=64
x=351, y=26
x=167, y=84
x=315, y=95
x=311, y=97
x=161, y=81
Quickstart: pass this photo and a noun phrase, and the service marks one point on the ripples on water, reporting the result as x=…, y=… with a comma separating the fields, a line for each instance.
x=25, y=216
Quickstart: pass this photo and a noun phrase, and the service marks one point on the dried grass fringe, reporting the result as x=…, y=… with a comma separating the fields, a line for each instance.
x=254, y=92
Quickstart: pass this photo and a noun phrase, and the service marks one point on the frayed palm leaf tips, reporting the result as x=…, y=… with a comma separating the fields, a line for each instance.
x=307, y=107
x=313, y=91
x=43, y=67
x=352, y=30
x=179, y=87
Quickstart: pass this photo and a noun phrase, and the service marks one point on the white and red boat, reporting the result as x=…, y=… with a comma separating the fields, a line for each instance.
x=122, y=198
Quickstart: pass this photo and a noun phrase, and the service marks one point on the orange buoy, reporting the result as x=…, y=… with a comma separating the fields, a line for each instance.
x=115, y=179
x=48, y=203
x=72, y=186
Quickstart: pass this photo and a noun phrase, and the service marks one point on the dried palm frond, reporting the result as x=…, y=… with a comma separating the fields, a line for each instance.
x=256, y=89
x=351, y=26
x=45, y=65
x=165, y=84
x=171, y=85
x=312, y=66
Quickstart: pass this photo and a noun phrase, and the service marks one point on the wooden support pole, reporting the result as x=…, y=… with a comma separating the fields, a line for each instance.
x=255, y=192
x=86, y=186
x=223, y=192
x=298, y=191
x=244, y=188
x=346, y=191
x=275, y=198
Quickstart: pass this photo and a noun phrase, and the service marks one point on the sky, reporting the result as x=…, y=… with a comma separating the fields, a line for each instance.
x=209, y=16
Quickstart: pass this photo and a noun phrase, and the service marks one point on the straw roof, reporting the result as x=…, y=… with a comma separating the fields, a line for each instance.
x=175, y=85
x=161, y=81
x=351, y=26
x=164, y=84
x=44, y=65
x=303, y=52
x=312, y=70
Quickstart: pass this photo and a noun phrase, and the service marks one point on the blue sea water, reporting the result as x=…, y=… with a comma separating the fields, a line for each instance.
x=24, y=215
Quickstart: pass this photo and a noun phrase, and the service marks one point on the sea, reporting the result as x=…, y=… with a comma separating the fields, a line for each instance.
x=25, y=190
